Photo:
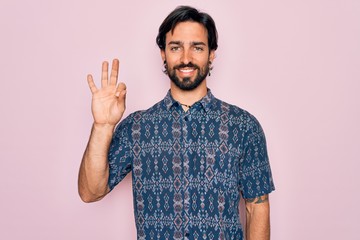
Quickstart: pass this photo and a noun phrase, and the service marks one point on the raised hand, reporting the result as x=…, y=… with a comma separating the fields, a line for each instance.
x=108, y=102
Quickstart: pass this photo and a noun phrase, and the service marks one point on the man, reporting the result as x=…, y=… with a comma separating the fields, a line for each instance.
x=191, y=155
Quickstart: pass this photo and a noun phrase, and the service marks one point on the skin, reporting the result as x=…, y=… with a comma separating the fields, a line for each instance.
x=108, y=106
x=187, y=43
x=258, y=218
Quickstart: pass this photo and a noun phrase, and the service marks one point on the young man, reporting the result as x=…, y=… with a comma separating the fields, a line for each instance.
x=191, y=155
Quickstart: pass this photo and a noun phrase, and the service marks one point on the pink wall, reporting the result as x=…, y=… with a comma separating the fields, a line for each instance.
x=293, y=64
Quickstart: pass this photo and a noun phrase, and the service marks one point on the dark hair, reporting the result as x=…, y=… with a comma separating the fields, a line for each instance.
x=184, y=14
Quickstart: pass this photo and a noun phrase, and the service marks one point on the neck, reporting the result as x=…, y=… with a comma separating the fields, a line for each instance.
x=188, y=97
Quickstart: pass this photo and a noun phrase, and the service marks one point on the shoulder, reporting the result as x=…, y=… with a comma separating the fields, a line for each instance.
x=140, y=115
x=236, y=114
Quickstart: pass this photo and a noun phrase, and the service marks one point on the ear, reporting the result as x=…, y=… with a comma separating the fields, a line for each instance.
x=212, y=55
x=162, y=53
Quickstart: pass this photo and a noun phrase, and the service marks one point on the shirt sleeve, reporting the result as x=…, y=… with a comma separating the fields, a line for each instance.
x=119, y=157
x=255, y=172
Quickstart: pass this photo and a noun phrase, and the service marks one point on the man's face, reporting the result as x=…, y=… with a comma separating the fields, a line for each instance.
x=187, y=55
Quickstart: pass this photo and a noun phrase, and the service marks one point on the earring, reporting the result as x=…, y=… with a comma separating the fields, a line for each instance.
x=210, y=68
x=165, y=68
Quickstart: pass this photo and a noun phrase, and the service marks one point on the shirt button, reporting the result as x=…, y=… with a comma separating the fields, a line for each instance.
x=187, y=233
x=186, y=118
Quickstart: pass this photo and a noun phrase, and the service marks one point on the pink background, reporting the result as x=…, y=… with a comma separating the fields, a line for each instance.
x=294, y=64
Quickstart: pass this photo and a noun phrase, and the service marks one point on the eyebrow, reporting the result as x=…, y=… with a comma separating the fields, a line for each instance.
x=182, y=43
x=198, y=43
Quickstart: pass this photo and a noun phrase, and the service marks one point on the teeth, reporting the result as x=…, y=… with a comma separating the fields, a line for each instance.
x=186, y=70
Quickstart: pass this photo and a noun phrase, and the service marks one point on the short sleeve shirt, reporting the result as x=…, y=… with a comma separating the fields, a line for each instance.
x=190, y=168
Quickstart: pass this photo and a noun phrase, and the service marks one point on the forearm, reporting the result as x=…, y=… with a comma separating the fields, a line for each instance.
x=258, y=220
x=94, y=168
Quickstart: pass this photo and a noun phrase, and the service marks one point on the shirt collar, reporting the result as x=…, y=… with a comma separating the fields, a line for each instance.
x=206, y=102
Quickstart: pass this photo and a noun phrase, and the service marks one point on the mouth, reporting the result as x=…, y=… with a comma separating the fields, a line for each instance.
x=186, y=70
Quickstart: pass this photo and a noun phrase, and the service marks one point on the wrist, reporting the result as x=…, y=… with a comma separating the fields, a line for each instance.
x=104, y=126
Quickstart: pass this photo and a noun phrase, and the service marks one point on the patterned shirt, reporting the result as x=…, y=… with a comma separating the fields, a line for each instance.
x=189, y=168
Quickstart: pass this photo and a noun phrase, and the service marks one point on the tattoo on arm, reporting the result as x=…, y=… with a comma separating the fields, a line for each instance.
x=258, y=200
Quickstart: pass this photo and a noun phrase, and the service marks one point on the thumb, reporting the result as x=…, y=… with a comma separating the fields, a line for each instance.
x=120, y=90
x=121, y=93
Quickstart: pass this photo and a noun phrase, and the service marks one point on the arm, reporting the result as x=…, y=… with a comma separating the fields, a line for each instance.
x=108, y=106
x=257, y=218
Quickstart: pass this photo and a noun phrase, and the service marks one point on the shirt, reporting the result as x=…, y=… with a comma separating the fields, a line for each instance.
x=189, y=168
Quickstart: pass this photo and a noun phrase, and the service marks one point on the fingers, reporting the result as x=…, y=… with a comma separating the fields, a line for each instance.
x=105, y=77
x=114, y=72
x=121, y=95
x=121, y=90
x=91, y=84
x=104, y=74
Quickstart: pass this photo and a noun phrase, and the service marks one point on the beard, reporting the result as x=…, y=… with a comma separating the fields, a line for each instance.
x=186, y=83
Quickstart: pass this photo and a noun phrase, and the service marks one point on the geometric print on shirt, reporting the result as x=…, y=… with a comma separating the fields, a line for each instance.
x=189, y=169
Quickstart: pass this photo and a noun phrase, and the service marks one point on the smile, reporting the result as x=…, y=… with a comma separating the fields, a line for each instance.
x=186, y=70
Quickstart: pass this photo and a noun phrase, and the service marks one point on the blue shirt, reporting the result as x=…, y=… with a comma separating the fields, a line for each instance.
x=190, y=168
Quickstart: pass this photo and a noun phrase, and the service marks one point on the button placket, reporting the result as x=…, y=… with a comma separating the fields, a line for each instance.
x=185, y=177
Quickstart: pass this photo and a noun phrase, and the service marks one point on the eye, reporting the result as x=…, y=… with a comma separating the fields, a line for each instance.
x=175, y=48
x=198, y=49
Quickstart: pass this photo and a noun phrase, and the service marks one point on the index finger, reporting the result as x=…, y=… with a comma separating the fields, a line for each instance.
x=104, y=74
x=114, y=72
x=91, y=83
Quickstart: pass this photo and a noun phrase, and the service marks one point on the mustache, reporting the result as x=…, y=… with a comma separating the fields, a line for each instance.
x=189, y=65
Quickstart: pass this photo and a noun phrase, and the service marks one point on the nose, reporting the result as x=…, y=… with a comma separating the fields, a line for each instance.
x=186, y=57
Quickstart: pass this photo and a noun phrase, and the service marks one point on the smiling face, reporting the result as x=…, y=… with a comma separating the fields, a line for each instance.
x=187, y=55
